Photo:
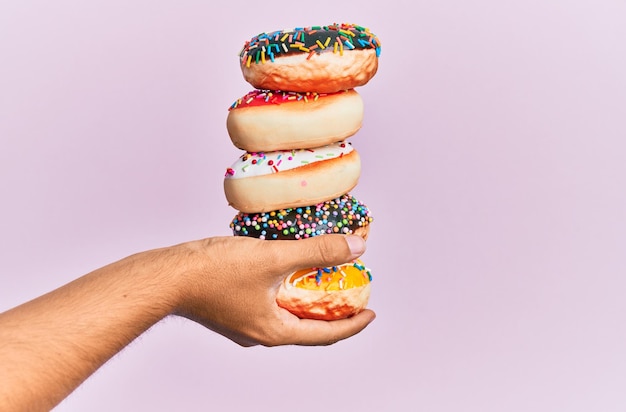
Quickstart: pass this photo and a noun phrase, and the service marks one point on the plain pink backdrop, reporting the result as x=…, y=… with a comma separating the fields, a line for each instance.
x=493, y=152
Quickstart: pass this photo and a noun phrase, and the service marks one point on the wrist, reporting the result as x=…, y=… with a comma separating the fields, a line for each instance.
x=177, y=271
x=164, y=273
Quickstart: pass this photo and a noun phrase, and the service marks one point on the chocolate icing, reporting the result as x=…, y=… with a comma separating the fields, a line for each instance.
x=342, y=215
x=307, y=40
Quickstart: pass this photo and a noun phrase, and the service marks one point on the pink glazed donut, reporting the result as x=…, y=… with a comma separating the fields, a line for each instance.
x=265, y=120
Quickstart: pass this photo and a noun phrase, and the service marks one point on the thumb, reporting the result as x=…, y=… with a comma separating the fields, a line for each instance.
x=318, y=251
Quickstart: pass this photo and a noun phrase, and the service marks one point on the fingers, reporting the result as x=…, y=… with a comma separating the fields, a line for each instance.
x=234, y=292
x=319, y=251
x=318, y=332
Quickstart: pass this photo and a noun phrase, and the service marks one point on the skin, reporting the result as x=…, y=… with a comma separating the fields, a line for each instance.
x=50, y=345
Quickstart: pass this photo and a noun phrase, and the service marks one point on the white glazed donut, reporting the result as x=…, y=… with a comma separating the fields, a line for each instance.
x=321, y=59
x=266, y=181
x=264, y=120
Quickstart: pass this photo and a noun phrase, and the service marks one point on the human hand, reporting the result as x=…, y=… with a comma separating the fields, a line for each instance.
x=227, y=284
x=230, y=286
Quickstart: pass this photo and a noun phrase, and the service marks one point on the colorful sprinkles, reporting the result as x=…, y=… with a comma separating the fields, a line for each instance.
x=333, y=278
x=260, y=97
x=342, y=215
x=335, y=38
x=263, y=163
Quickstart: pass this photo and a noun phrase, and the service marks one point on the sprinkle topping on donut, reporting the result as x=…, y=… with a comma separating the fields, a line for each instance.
x=264, y=163
x=259, y=97
x=333, y=278
x=342, y=215
x=312, y=40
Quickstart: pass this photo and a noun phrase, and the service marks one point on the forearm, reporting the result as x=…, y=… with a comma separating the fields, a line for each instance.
x=48, y=346
x=229, y=284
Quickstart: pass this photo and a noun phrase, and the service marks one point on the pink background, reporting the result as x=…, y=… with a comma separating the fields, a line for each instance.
x=493, y=152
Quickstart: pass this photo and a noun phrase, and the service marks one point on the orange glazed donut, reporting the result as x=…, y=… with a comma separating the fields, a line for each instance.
x=266, y=181
x=329, y=293
x=265, y=120
x=322, y=59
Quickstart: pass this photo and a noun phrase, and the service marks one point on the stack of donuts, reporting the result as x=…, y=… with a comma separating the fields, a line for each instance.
x=294, y=179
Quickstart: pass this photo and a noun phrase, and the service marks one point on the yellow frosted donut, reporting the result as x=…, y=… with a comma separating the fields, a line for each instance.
x=329, y=293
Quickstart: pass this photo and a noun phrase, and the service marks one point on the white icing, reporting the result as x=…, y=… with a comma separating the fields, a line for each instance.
x=265, y=163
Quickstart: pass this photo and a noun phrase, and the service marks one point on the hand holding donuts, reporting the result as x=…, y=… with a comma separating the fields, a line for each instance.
x=293, y=180
x=212, y=267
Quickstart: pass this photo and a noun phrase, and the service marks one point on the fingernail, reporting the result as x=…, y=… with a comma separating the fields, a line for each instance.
x=356, y=245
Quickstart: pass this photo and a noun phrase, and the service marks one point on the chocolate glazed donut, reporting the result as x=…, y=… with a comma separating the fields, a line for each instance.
x=342, y=215
x=321, y=59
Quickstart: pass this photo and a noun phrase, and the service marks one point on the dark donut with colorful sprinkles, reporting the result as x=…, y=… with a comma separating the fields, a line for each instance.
x=343, y=215
x=322, y=59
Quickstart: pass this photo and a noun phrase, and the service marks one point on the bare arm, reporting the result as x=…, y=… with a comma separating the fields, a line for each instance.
x=50, y=345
